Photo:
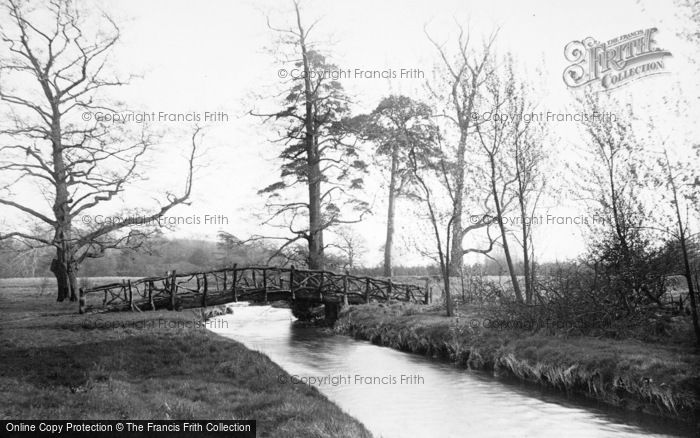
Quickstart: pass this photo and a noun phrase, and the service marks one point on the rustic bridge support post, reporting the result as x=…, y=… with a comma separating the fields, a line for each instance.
x=265, y=283
x=235, y=279
x=291, y=281
x=320, y=286
x=126, y=292
x=426, y=300
x=206, y=289
x=166, y=282
x=149, y=291
x=150, y=295
x=131, y=295
x=224, y=281
x=389, y=290
x=345, y=289
x=367, y=290
x=173, y=289
x=81, y=300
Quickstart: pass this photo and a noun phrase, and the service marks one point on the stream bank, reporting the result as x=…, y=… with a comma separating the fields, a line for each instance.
x=661, y=380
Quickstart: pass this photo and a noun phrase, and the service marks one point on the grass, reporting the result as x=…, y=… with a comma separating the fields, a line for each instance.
x=660, y=379
x=56, y=364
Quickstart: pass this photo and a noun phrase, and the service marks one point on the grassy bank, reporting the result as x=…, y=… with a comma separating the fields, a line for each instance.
x=654, y=378
x=56, y=364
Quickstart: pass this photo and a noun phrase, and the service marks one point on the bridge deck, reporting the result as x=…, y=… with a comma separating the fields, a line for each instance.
x=252, y=283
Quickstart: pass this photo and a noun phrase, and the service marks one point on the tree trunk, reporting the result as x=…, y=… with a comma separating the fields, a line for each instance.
x=445, y=270
x=63, y=269
x=73, y=282
x=691, y=288
x=509, y=261
x=533, y=272
x=315, y=226
x=684, y=248
x=501, y=226
x=445, y=267
x=526, y=268
x=60, y=271
x=315, y=237
x=448, y=294
x=526, y=253
x=456, y=251
x=64, y=264
x=388, y=245
x=464, y=115
x=526, y=228
x=443, y=252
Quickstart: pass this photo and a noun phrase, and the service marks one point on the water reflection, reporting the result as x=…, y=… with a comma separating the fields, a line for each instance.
x=397, y=394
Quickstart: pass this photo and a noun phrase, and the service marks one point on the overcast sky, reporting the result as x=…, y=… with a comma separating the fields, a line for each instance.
x=218, y=55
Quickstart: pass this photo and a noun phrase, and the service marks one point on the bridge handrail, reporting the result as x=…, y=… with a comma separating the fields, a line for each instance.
x=142, y=280
x=167, y=288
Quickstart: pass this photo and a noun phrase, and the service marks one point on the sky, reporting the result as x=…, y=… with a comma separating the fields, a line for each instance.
x=220, y=57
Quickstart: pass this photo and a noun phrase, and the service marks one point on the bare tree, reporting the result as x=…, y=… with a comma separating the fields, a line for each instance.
x=526, y=157
x=441, y=226
x=457, y=92
x=20, y=259
x=351, y=246
x=318, y=152
x=612, y=186
x=676, y=183
x=495, y=136
x=683, y=236
x=431, y=170
x=54, y=71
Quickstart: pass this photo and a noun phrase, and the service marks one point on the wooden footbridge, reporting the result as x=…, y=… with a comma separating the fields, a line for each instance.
x=305, y=289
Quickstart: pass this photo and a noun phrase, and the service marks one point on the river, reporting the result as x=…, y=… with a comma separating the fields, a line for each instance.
x=397, y=394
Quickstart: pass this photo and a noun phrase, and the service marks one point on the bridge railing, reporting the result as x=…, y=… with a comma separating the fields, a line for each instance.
x=255, y=283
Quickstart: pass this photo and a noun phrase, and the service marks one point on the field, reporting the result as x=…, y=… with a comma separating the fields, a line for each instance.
x=56, y=364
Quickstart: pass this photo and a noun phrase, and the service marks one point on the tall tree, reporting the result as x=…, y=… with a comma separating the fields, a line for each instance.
x=613, y=184
x=683, y=236
x=426, y=159
x=56, y=68
x=674, y=181
x=495, y=135
x=457, y=92
x=318, y=152
x=431, y=168
x=526, y=158
x=351, y=246
x=392, y=126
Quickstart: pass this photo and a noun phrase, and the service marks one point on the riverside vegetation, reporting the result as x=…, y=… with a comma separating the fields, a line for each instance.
x=653, y=375
x=156, y=365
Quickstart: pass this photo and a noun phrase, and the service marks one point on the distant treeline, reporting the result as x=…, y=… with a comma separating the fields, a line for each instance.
x=160, y=256
x=186, y=255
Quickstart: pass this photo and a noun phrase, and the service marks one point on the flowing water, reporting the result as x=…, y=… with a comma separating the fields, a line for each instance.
x=396, y=394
